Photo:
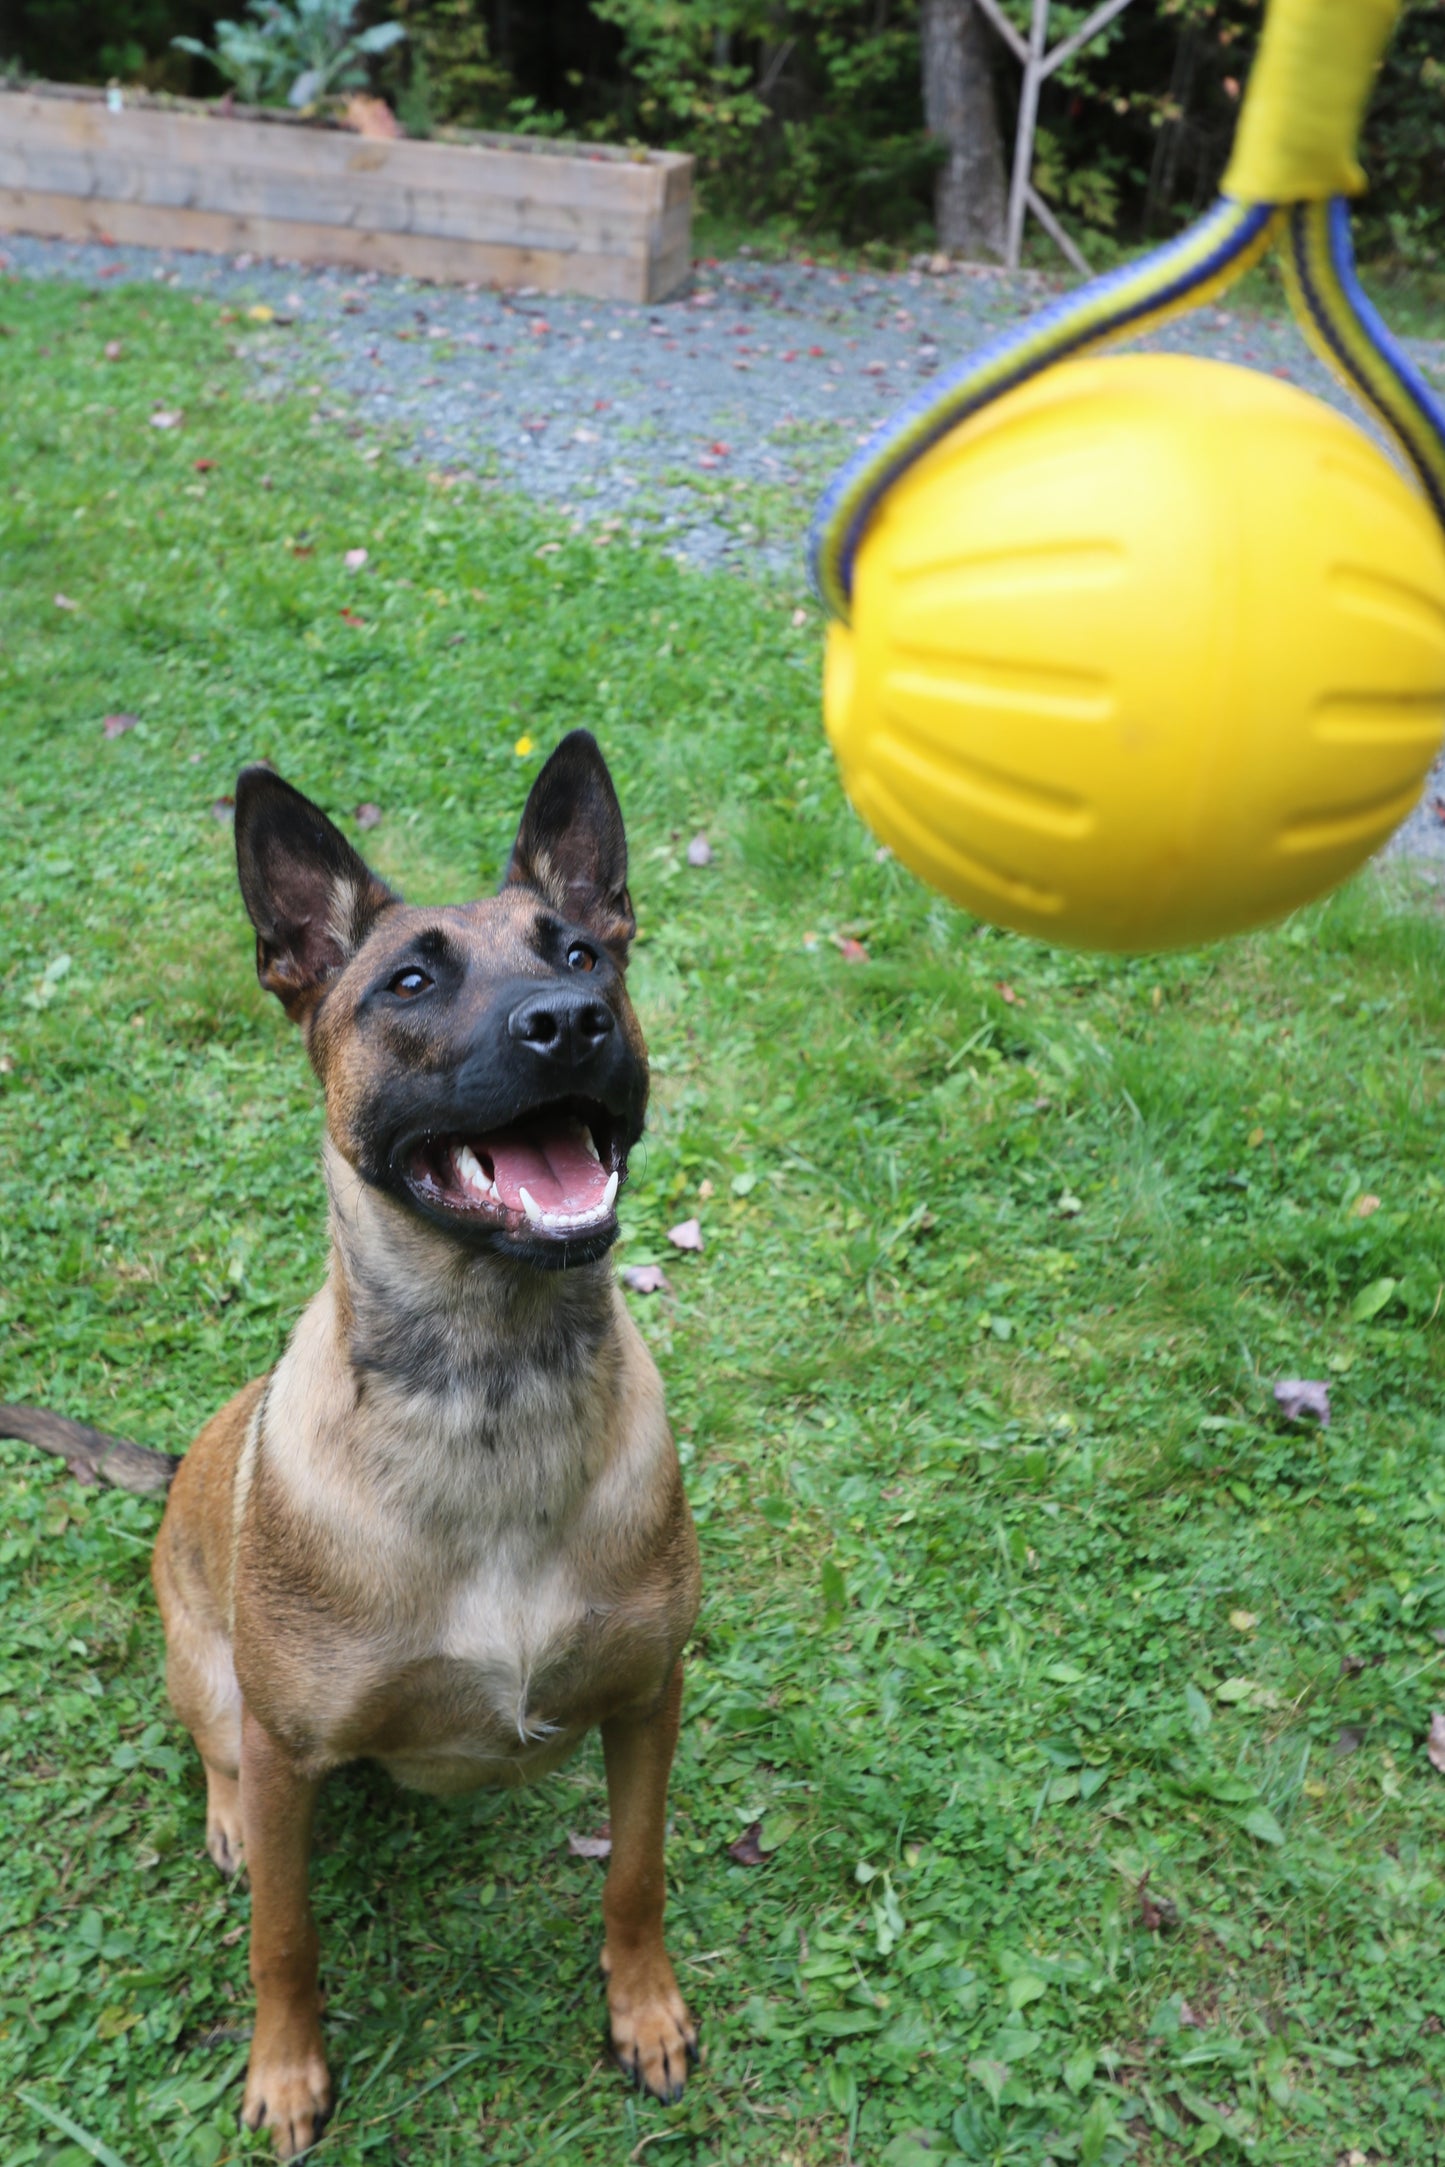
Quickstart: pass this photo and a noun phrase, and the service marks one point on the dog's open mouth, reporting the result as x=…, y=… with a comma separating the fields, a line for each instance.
x=553, y=1174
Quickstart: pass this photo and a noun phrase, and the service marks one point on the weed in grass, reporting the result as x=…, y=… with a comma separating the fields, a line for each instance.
x=1082, y=1703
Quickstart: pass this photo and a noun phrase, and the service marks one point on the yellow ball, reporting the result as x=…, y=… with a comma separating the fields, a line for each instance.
x=1149, y=651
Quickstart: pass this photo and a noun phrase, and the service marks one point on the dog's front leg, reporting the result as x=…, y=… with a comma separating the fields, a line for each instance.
x=288, y=2090
x=652, y=2034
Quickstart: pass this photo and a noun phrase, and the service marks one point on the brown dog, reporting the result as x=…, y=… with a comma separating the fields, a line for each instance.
x=448, y=1530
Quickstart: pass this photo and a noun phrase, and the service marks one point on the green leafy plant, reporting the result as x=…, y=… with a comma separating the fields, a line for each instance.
x=813, y=107
x=301, y=50
x=452, y=77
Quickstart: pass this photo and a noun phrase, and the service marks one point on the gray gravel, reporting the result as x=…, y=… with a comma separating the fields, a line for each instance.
x=708, y=422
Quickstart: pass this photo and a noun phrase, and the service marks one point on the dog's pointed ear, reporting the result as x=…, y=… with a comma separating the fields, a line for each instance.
x=309, y=895
x=571, y=846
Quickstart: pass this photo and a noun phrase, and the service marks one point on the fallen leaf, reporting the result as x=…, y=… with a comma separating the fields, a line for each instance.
x=1352, y=1737
x=113, y=349
x=1006, y=991
x=117, y=725
x=204, y=466
x=371, y=117
x=1069, y=1206
x=167, y=417
x=1351, y=1665
x=368, y=816
x=63, y=601
x=303, y=549
x=646, y=1279
x=261, y=313
x=1243, y=1621
x=1435, y=1746
x=1301, y=1396
x=1363, y=1206
x=699, y=851
x=355, y=559
x=591, y=1847
x=223, y=808
x=748, y=1850
x=1189, y=2020
x=349, y=617
x=850, y=950
x=705, y=1188
x=800, y=618
x=686, y=1236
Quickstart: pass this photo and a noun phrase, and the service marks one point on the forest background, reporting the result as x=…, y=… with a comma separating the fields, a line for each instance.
x=810, y=119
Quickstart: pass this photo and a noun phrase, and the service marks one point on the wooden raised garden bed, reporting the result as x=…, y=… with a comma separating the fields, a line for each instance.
x=504, y=210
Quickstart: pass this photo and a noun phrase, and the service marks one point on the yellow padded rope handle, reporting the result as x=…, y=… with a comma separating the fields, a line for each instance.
x=1306, y=99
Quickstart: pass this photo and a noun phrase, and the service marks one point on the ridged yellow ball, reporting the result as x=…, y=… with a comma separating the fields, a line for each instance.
x=1149, y=651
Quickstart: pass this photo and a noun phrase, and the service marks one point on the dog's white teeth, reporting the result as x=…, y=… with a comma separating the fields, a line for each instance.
x=469, y=1172
x=589, y=1147
x=568, y=1222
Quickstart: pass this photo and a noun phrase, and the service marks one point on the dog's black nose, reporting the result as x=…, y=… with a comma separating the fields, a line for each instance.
x=562, y=1025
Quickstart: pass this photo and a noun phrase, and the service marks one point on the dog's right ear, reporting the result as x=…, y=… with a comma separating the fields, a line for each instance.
x=310, y=896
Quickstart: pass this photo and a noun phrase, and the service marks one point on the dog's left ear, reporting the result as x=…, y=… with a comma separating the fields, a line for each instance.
x=310, y=896
x=571, y=846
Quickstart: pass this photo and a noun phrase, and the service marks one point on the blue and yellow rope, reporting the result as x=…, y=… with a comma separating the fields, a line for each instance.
x=1294, y=154
x=1354, y=341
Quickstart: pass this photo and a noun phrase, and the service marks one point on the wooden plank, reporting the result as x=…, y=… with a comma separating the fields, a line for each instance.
x=308, y=153
x=278, y=119
x=399, y=255
x=671, y=263
x=371, y=201
x=153, y=176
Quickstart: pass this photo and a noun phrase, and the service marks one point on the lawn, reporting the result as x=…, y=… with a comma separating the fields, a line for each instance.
x=1081, y=1698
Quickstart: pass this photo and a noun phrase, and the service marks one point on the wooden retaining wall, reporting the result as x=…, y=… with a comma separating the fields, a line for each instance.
x=504, y=210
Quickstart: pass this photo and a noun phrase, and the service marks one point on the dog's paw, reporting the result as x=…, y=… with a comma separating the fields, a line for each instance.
x=652, y=2036
x=291, y=2096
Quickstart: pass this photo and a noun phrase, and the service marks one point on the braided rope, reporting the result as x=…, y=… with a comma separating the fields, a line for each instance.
x=1355, y=342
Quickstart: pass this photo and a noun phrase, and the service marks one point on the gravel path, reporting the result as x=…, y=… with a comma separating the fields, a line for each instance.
x=708, y=423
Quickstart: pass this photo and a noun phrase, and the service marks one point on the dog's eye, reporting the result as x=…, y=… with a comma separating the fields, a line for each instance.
x=580, y=958
x=409, y=983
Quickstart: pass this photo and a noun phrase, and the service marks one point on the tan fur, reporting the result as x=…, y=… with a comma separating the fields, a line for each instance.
x=456, y=1566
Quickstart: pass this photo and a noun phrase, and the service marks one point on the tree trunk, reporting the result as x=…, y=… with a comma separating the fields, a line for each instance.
x=970, y=194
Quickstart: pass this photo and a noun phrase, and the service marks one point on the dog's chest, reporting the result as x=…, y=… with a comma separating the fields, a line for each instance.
x=509, y=1622
x=483, y=1703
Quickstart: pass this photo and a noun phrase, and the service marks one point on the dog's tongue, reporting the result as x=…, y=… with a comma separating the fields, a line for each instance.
x=555, y=1167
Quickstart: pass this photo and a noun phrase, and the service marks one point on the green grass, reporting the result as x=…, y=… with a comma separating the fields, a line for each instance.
x=1082, y=1701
